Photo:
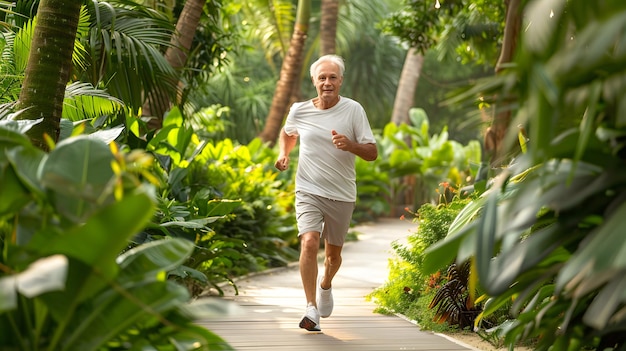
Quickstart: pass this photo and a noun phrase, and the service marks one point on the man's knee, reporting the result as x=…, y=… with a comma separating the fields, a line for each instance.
x=310, y=241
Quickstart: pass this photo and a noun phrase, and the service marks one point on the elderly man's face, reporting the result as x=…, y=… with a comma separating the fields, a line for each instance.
x=327, y=81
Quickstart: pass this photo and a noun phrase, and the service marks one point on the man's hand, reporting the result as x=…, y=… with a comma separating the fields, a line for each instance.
x=282, y=163
x=368, y=152
x=341, y=141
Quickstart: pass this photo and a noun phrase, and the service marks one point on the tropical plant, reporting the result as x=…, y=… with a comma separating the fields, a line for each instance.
x=82, y=102
x=245, y=90
x=48, y=69
x=455, y=31
x=462, y=28
x=374, y=188
x=548, y=233
x=204, y=181
x=408, y=289
x=176, y=55
x=246, y=84
x=292, y=64
x=431, y=159
x=66, y=216
x=454, y=302
x=265, y=223
x=123, y=51
x=442, y=80
x=197, y=48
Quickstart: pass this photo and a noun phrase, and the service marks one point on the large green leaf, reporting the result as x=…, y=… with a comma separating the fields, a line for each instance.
x=78, y=172
x=96, y=244
x=608, y=303
x=486, y=238
x=27, y=162
x=459, y=245
x=125, y=39
x=118, y=308
x=13, y=193
x=42, y=276
x=507, y=267
x=219, y=208
x=600, y=254
x=146, y=261
x=11, y=136
x=140, y=299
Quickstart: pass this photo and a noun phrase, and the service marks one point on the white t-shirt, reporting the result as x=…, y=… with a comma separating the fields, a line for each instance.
x=323, y=169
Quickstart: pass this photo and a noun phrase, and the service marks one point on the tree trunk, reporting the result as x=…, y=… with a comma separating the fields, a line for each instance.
x=176, y=55
x=49, y=68
x=328, y=26
x=328, y=35
x=289, y=74
x=405, y=94
x=495, y=134
x=406, y=86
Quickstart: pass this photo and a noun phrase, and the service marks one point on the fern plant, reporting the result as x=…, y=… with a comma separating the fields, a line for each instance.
x=454, y=301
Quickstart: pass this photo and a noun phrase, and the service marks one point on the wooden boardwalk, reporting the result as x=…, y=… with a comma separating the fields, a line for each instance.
x=266, y=312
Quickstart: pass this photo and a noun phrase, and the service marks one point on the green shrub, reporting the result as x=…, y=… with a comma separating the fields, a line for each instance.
x=407, y=287
x=226, y=198
x=412, y=163
x=64, y=284
x=548, y=235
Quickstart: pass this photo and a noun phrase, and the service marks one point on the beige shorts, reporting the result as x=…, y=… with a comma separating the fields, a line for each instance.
x=328, y=217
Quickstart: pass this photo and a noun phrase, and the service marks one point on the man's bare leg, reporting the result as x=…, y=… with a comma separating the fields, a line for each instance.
x=332, y=262
x=309, y=246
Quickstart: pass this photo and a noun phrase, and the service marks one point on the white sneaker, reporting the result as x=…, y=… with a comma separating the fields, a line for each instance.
x=324, y=299
x=311, y=319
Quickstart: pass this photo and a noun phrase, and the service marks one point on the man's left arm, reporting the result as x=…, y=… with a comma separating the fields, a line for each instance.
x=368, y=152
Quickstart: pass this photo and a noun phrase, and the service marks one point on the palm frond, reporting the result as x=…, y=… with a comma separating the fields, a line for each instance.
x=10, y=82
x=79, y=56
x=126, y=40
x=83, y=101
x=272, y=23
x=21, y=45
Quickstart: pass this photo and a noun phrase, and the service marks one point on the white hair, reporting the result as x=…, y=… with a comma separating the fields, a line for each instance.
x=336, y=59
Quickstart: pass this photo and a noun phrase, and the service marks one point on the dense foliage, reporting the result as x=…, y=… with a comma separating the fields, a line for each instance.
x=213, y=210
x=467, y=30
x=548, y=233
x=195, y=207
x=203, y=180
x=413, y=152
x=66, y=216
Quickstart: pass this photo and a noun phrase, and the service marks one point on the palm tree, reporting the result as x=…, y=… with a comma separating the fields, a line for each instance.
x=328, y=26
x=49, y=68
x=82, y=100
x=289, y=73
x=124, y=52
x=407, y=85
x=245, y=84
x=495, y=134
x=176, y=55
